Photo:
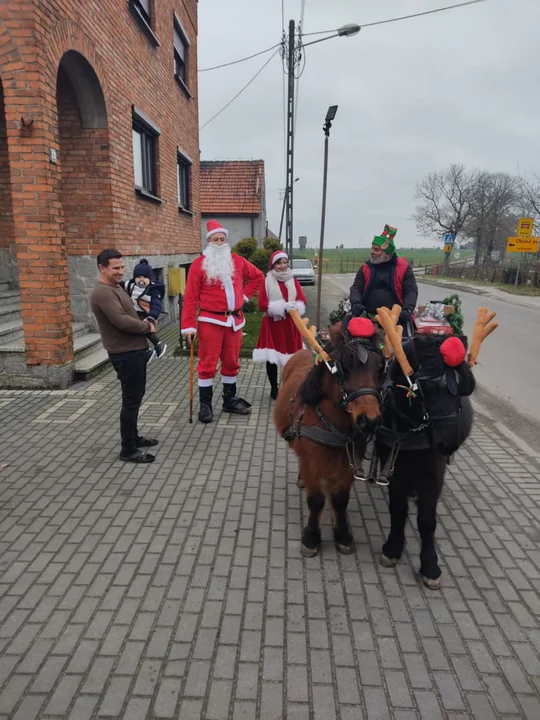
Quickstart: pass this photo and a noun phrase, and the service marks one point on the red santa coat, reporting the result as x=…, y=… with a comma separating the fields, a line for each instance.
x=219, y=297
x=279, y=338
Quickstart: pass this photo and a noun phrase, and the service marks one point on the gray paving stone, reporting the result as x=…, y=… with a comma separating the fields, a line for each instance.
x=179, y=590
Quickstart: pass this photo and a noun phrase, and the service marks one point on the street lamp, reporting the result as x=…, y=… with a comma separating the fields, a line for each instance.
x=330, y=115
x=292, y=60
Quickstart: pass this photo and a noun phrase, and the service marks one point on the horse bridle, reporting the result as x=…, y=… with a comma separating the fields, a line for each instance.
x=348, y=397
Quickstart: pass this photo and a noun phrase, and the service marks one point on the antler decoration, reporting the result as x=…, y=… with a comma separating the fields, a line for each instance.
x=385, y=318
x=484, y=327
x=394, y=314
x=308, y=334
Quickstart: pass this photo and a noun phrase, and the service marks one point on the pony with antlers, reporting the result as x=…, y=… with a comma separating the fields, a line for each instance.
x=426, y=417
x=326, y=412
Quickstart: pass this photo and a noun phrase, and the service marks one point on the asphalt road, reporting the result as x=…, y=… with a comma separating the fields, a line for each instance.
x=509, y=362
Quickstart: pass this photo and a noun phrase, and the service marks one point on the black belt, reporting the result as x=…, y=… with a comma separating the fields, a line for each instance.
x=227, y=313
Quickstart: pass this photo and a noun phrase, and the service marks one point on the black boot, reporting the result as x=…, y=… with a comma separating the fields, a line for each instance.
x=271, y=372
x=233, y=404
x=205, y=399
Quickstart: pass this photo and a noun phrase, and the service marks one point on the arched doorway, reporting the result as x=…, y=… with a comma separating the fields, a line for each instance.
x=84, y=163
x=7, y=232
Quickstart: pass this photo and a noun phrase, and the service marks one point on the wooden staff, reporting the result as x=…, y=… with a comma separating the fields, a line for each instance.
x=483, y=327
x=386, y=320
x=191, y=373
x=307, y=335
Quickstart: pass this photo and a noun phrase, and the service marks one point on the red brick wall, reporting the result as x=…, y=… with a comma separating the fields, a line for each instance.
x=132, y=72
x=85, y=173
x=33, y=38
x=6, y=210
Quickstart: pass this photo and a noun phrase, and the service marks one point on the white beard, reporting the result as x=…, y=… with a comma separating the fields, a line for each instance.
x=218, y=262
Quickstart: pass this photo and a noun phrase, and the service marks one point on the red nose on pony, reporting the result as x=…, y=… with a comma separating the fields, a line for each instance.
x=453, y=352
x=361, y=328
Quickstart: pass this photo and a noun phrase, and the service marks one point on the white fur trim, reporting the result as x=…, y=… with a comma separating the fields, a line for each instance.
x=276, y=308
x=205, y=382
x=185, y=331
x=217, y=230
x=271, y=356
x=228, y=379
x=301, y=307
x=224, y=323
x=246, y=299
x=279, y=256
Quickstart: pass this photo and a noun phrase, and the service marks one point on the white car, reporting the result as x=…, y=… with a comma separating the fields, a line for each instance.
x=303, y=271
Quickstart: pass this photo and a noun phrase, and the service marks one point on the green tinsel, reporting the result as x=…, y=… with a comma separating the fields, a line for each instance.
x=455, y=319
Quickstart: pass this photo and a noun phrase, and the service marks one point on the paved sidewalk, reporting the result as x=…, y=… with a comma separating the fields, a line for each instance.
x=177, y=590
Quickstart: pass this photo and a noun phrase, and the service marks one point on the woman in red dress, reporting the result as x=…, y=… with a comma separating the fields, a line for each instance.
x=279, y=338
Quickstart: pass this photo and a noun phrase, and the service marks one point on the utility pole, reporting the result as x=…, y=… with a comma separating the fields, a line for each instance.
x=290, y=143
x=330, y=115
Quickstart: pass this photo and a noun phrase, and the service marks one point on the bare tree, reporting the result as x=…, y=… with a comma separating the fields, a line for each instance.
x=494, y=209
x=446, y=201
x=531, y=194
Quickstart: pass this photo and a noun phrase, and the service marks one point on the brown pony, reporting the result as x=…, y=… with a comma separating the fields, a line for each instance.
x=327, y=412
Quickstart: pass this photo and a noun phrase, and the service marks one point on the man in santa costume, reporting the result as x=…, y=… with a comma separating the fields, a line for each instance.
x=218, y=284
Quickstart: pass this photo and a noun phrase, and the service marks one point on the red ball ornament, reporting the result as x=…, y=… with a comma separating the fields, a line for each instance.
x=453, y=352
x=361, y=327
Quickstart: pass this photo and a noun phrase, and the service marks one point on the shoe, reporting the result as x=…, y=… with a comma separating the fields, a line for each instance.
x=232, y=403
x=138, y=457
x=160, y=350
x=152, y=356
x=205, y=399
x=146, y=442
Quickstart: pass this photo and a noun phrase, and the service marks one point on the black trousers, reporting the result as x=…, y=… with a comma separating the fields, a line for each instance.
x=131, y=371
x=152, y=336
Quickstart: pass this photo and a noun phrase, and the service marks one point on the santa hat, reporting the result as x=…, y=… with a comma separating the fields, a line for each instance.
x=275, y=256
x=213, y=227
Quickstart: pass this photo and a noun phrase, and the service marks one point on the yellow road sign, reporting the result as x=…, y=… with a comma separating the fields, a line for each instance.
x=448, y=248
x=522, y=244
x=525, y=227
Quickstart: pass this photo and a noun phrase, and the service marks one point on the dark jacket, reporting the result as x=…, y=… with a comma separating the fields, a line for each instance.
x=382, y=290
x=150, y=302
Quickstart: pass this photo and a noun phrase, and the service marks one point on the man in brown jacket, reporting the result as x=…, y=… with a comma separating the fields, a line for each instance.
x=124, y=337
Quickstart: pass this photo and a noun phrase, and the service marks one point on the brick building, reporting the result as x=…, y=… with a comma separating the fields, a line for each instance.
x=98, y=148
x=233, y=192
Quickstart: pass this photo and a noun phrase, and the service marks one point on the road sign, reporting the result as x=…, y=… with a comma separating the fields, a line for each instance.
x=525, y=227
x=522, y=244
x=449, y=238
x=448, y=247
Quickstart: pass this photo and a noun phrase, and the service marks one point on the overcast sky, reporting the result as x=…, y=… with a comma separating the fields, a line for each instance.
x=461, y=86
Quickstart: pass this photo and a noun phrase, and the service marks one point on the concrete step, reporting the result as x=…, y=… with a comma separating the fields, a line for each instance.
x=10, y=310
x=7, y=294
x=80, y=329
x=10, y=330
x=90, y=364
x=14, y=346
x=86, y=344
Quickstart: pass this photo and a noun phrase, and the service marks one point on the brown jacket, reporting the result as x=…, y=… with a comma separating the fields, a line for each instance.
x=120, y=327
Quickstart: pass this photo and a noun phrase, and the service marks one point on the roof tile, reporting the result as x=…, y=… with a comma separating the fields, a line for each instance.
x=232, y=187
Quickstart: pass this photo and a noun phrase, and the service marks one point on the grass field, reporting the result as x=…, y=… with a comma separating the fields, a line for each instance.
x=350, y=259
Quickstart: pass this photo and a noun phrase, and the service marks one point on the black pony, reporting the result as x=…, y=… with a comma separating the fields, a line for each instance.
x=421, y=428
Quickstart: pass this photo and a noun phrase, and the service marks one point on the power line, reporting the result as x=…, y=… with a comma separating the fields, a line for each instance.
x=405, y=17
x=259, y=71
x=235, y=62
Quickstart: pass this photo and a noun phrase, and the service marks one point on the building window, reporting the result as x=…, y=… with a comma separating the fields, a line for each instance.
x=142, y=12
x=183, y=178
x=181, y=49
x=145, y=135
x=143, y=6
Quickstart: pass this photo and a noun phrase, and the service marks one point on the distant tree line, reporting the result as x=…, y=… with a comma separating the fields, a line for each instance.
x=477, y=206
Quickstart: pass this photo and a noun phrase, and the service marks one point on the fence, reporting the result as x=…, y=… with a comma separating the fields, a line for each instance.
x=505, y=273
